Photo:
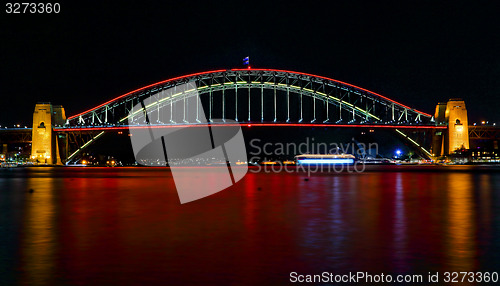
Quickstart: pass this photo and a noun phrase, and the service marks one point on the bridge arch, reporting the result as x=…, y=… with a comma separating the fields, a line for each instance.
x=262, y=95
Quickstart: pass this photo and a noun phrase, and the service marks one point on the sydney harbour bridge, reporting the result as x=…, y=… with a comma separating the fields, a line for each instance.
x=254, y=97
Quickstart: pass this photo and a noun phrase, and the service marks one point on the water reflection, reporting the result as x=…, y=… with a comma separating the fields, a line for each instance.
x=125, y=226
x=400, y=240
x=38, y=241
x=461, y=247
x=12, y=195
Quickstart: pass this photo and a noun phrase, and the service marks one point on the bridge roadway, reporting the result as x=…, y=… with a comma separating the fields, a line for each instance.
x=20, y=135
x=248, y=124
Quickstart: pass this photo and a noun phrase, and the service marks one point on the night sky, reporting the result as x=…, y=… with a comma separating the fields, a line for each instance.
x=417, y=53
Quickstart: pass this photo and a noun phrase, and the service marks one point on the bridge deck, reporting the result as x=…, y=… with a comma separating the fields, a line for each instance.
x=249, y=124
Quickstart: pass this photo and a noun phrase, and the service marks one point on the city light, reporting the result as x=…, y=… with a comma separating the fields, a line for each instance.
x=398, y=153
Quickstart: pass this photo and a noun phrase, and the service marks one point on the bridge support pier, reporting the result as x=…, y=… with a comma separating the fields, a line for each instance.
x=453, y=114
x=45, y=145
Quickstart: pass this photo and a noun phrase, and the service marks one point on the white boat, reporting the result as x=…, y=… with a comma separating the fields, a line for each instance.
x=377, y=161
x=325, y=159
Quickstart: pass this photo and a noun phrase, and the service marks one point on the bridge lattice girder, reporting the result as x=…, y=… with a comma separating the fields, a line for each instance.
x=284, y=96
x=15, y=135
x=484, y=132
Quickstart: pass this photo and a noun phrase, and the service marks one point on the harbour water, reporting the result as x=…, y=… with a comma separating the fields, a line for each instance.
x=125, y=226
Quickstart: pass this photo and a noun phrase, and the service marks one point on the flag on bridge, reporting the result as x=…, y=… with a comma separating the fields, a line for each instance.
x=246, y=61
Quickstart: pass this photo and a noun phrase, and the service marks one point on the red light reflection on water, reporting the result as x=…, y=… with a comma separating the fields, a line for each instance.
x=126, y=226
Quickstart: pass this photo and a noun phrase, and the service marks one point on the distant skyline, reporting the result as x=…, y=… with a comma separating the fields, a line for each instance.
x=418, y=54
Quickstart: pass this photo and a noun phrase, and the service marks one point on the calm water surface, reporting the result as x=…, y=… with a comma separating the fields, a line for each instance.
x=125, y=226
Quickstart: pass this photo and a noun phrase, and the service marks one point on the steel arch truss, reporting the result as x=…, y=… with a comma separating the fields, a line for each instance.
x=258, y=95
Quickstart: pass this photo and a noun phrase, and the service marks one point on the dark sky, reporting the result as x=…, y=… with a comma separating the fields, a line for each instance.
x=417, y=53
